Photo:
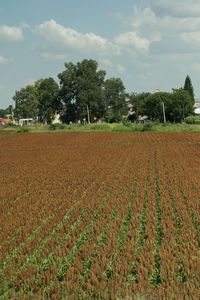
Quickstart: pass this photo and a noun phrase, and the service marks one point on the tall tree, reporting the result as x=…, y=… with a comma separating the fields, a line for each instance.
x=47, y=97
x=137, y=100
x=67, y=93
x=188, y=86
x=178, y=105
x=26, y=104
x=182, y=105
x=89, y=81
x=115, y=99
x=152, y=105
x=81, y=90
x=4, y=112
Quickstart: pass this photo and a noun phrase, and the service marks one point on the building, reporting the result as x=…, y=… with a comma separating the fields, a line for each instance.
x=27, y=121
x=4, y=121
x=197, y=107
x=197, y=103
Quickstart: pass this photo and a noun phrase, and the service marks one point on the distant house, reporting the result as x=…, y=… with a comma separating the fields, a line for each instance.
x=197, y=111
x=156, y=91
x=197, y=107
x=26, y=121
x=4, y=121
x=197, y=103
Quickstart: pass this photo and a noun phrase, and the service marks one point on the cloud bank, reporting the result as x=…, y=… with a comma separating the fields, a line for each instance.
x=11, y=33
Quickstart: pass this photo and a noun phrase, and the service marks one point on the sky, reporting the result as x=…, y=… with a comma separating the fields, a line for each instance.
x=149, y=44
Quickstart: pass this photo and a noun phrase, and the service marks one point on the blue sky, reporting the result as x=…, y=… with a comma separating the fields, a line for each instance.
x=148, y=43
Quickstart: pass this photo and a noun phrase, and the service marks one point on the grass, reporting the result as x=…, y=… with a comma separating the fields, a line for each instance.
x=116, y=127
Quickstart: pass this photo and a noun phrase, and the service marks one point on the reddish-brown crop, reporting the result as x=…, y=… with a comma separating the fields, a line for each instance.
x=100, y=216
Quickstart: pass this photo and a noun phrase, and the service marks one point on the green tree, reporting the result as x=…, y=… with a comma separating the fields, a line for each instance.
x=178, y=105
x=89, y=83
x=26, y=104
x=81, y=90
x=47, y=98
x=182, y=105
x=115, y=99
x=8, y=111
x=67, y=93
x=188, y=86
x=137, y=100
x=153, y=107
x=4, y=112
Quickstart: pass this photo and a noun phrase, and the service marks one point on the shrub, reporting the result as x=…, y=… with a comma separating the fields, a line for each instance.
x=126, y=122
x=192, y=120
x=56, y=126
x=22, y=129
x=147, y=127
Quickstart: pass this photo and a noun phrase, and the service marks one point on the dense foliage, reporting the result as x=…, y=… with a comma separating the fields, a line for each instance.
x=177, y=104
x=85, y=95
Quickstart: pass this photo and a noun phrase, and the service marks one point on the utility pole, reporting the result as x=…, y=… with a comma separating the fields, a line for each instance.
x=163, y=107
x=88, y=114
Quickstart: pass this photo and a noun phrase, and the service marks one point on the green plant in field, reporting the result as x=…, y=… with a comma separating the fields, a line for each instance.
x=86, y=266
x=196, y=225
x=120, y=241
x=66, y=262
x=108, y=272
x=132, y=276
x=181, y=276
x=123, y=228
x=155, y=278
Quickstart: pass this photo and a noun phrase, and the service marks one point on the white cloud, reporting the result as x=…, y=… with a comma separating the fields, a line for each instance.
x=11, y=33
x=132, y=39
x=148, y=20
x=167, y=33
x=3, y=60
x=69, y=38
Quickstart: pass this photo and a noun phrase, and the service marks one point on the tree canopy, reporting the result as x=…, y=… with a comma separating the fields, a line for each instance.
x=38, y=101
x=47, y=99
x=177, y=104
x=188, y=86
x=81, y=89
x=26, y=103
x=115, y=100
x=84, y=94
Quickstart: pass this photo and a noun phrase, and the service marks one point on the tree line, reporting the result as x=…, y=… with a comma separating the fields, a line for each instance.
x=173, y=107
x=83, y=93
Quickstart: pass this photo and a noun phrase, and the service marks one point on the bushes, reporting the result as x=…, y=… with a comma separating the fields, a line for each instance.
x=192, y=120
x=56, y=127
x=22, y=129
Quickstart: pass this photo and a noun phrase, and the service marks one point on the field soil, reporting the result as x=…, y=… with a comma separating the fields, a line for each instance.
x=100, y=215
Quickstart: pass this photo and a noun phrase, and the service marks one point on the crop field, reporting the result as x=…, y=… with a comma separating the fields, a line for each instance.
x=100, y=215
